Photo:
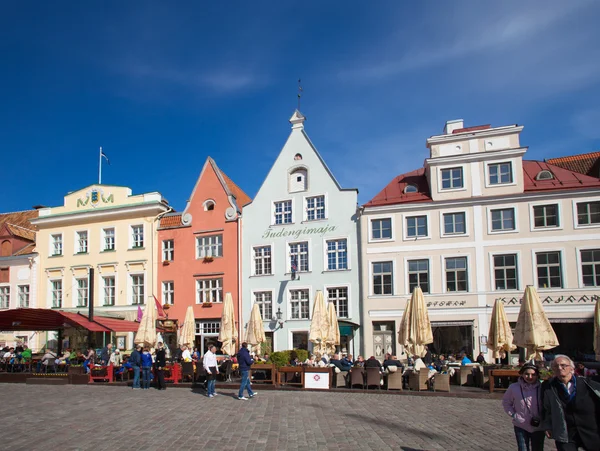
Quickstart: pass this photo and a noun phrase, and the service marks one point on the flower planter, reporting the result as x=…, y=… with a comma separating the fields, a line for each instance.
x=207, y=305
x=76, y=370
x=207, y=259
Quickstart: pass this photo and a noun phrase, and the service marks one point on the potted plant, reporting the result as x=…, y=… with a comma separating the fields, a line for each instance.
x=206, y=304
x=208, y=259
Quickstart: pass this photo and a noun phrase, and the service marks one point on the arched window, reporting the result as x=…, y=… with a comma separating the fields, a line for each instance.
x=410, y=188
x=544, y=175
x=298, y=180
x=5, y=249
x=209, y=205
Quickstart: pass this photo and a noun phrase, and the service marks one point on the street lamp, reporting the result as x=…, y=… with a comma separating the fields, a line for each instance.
x=279, y=315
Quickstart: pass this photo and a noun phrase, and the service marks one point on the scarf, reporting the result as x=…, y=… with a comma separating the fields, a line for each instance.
x=569, y=397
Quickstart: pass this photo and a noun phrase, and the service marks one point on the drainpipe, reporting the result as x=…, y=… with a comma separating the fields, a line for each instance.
x=239, y=266
x=160, y=215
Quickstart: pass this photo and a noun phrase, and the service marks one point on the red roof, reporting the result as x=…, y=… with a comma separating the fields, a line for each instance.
x=394, y=193
x=586, y=163
x=47, y=319
x=170, y=221
x=472, y=129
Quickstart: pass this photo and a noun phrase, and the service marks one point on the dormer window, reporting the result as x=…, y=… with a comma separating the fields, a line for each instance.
x=298, y=180
x=544, y=175
x=410, y=188
x=209, y=205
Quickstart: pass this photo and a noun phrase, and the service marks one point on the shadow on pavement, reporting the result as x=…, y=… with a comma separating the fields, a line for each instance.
x=394, y=426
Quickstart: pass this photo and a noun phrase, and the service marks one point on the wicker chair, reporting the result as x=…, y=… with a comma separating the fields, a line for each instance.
x=340, y=379
x=357, y=377
x=442, y=382
x=373, y=378
x=418, y=380
x=394, y=381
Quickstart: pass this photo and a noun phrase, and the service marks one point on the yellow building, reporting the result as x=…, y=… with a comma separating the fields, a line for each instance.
x=107, y=232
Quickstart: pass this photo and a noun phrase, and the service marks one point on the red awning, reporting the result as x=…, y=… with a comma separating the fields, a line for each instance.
x=117, y=325
x=82, y=322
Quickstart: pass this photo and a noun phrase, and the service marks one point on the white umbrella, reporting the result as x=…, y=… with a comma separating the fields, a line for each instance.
x=415, y=329
x=500, y=336
x=333, y=334
x=228, y=332
x=146, y=334
x=319, y=325
x=255, y=331
x=188, y=331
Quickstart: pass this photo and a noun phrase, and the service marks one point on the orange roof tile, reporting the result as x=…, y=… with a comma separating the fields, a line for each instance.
x=18, y=223
x=241, y=197
x=586, y=163
x=168, y=221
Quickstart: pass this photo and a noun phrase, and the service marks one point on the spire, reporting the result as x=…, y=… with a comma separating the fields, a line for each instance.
x=297, y=120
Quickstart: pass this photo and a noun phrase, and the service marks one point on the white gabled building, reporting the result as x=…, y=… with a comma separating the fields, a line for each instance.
x=299, y=236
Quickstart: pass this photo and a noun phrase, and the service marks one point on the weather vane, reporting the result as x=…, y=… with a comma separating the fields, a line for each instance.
x=299, y=92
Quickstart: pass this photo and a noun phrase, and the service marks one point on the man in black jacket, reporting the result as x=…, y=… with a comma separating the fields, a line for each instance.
x=571, y=408
x=160, y=363
x=245, y=361
x=105, y=354
x=135, y=360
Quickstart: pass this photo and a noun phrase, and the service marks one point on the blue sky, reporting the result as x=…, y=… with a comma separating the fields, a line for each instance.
x=160, y=87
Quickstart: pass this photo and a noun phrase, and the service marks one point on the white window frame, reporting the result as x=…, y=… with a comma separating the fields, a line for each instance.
x=132, y=234
x=253, y=259
x=261, y=303
x=131, y=289
x=502, y=207
x=5, y=293
x=370, y=227
x=23, y=294
x=51, y=292
x=371, y=274
x=347, y=286
x=443, y=259
x=407, y=275
x=289, y=302
x=104, y=287
x=563, y=269
x=326, y=253
x=103, y=247
x=532, y=206
x=168, y=292
x=405, y=219
x=53, y=243
x=441, y=189
x=512, y=171
x=218, y=288
x=168, y=253
x=289, y=256
x=576, y=216
x=80, y=290
x=305, y=208
x=201, y=246
x=492, y=275
x=293, y=203
x=580, y=264
x=443, y=233
x=78, y=249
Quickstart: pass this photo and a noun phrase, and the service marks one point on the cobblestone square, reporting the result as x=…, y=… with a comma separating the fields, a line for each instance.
x=75, y=417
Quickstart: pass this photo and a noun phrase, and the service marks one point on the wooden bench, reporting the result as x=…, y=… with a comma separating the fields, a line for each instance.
x=270, y=373
x=285, y=373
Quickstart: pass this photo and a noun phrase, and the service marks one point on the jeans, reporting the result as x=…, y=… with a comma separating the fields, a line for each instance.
x=136, y=377
x=529, y=441
x=245, y=384
x=211, y=380
x=146, y=370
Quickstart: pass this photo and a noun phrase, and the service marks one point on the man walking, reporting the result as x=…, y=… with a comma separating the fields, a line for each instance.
x=212, y=369
x=135, y=360
x=161, y=362
x=245, y=361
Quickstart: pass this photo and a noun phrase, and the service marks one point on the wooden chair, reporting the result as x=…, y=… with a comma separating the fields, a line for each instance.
x=357, y=377
x=50, y=363
x=417, y=380
x=441, y=382
x=394, y=381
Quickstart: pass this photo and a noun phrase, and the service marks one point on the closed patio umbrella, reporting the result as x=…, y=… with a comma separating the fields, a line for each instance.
x=597, y=330
x=228, y=330
x=255, y=331
x=415, y=329
x=500, y=337
x=534, y=331
x=146, y=334
x=333, y=334
x=187, y=334
x=319, y=325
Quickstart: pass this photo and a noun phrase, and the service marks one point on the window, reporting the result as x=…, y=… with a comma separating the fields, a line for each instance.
x=548, y=270
x=109, y=290
x=137, y=236
x=82, y=242
x=339, y=297
x=590, y=267
x=168, y=292
x=505, y=272
x=418, y=275
x=208, y=327
x=454, y=223
x=262, y=260
x=56, y=289
x=4, y=297
x=209, y=205
x=82, y=292
x=588, y=213
x=299, y=304
x=299, y=256
x=503, y=219
x=57, y=244
x=416, y=226
x=337, y=254
x=264, y=299
x=410, y=188
x=381, y=229
x=23, y=296
x=109, y=239
x=545, y=216
x=315, y=208
x=500, y=173
x=544, y=175
x=283, y=212
x=382, y=278
x=168, y=250
x=137, y=289
x=209, y=246
x=452, y=178
x=456, y=274
x=209, y=290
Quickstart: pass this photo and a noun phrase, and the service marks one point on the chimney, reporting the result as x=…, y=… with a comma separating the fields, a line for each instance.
x=453, y=125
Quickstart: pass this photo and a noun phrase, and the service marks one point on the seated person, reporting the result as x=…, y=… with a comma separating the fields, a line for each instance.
x=64, y=359
x=347, y=359
x=360, y=361
x=116, y=358
x=26, y=354
x=464, y=360
x=440, y=363
x=46, y=359
x=393, y=361
x=418, y=363
x=186, y=355
x=335, y=361
x=265, y=358
x=311, y=360
x=372, y=362
x=481, y=359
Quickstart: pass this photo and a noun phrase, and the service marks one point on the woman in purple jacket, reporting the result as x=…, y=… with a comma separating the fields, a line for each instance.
x=522, y=401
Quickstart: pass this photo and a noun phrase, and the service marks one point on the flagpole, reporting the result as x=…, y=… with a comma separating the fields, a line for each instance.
x=100, y=168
